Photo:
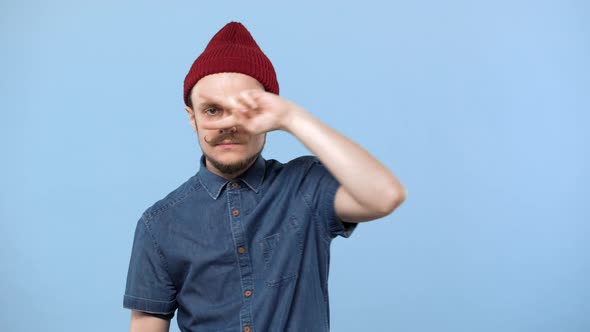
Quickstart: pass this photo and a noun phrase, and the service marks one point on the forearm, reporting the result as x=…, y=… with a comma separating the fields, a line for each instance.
x=143, y=322
x=366, y=179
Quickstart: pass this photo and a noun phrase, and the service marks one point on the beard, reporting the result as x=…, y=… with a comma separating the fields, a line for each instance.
x=235, y=167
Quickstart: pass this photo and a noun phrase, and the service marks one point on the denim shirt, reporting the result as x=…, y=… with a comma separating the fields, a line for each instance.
x=250, y=254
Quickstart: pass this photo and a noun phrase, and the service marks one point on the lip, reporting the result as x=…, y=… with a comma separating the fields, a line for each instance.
x=227, y=144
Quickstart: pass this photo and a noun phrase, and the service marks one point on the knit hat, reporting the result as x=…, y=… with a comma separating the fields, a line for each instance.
x=232, y=49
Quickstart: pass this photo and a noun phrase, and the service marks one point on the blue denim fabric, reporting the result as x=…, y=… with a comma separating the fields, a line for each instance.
x=252, y=252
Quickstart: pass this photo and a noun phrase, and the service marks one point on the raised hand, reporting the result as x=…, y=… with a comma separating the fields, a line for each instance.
x=255, y=111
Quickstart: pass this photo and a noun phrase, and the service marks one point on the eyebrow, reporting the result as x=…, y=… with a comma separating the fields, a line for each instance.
x=208, y=104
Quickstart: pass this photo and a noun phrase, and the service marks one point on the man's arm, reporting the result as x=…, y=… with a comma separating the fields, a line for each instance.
x=143, y=322
x=368, y=189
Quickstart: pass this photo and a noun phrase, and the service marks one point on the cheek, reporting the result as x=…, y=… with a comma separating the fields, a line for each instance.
x=205, y=132
x=258, y=141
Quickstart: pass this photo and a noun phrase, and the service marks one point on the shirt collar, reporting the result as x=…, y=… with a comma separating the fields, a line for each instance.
x=214, y=183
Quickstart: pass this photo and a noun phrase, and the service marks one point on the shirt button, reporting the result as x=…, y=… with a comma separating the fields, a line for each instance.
x=236, y=212
x=235, y=185
x=248, y=293
x=241, y=250
x=246, y=328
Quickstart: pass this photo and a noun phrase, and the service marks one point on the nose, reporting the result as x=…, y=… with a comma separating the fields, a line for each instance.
x=231, y=130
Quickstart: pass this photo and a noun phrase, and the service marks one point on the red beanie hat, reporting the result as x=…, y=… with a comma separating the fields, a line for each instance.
x=232, y=49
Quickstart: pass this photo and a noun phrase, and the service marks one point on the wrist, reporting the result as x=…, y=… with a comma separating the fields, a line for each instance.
x=291, y=118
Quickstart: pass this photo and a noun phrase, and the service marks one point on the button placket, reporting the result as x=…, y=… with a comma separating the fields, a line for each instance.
x=244, y=262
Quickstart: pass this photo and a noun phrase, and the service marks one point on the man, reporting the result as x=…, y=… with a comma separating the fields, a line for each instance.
x=244, y=244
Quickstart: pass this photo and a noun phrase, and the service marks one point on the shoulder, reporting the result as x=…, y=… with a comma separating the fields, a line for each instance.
x=302, y=164
x=182, y=192
x=292, y=174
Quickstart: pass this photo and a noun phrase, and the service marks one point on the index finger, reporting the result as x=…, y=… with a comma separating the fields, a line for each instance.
x=226, y=122
x=223, y=102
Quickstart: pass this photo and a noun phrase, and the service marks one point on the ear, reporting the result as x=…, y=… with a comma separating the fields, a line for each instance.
x=191, y=117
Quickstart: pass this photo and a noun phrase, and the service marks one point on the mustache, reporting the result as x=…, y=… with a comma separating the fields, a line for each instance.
x=221, y=137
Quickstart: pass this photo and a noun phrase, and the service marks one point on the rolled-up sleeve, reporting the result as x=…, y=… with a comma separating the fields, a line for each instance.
x=319, y=188
x=149, y=287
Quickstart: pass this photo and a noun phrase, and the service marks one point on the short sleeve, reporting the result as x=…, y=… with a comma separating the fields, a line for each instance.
x=319, y=188
x=149, y=287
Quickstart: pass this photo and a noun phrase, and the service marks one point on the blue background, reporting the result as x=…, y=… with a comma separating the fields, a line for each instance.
x=479, y=107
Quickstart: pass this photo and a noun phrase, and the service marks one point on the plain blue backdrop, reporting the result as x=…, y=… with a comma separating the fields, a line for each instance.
x=481, y=108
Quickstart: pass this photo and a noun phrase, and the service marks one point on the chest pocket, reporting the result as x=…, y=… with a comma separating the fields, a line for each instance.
x=282, y=253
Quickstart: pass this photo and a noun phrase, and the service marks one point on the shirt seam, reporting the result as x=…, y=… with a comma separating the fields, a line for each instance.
x=143, y=309
x=315, y=213
x=150, y=215
x=160, y=253
x=143, y=298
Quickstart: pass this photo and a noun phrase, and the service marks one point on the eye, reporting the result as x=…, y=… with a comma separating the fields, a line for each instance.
x=211, y=111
